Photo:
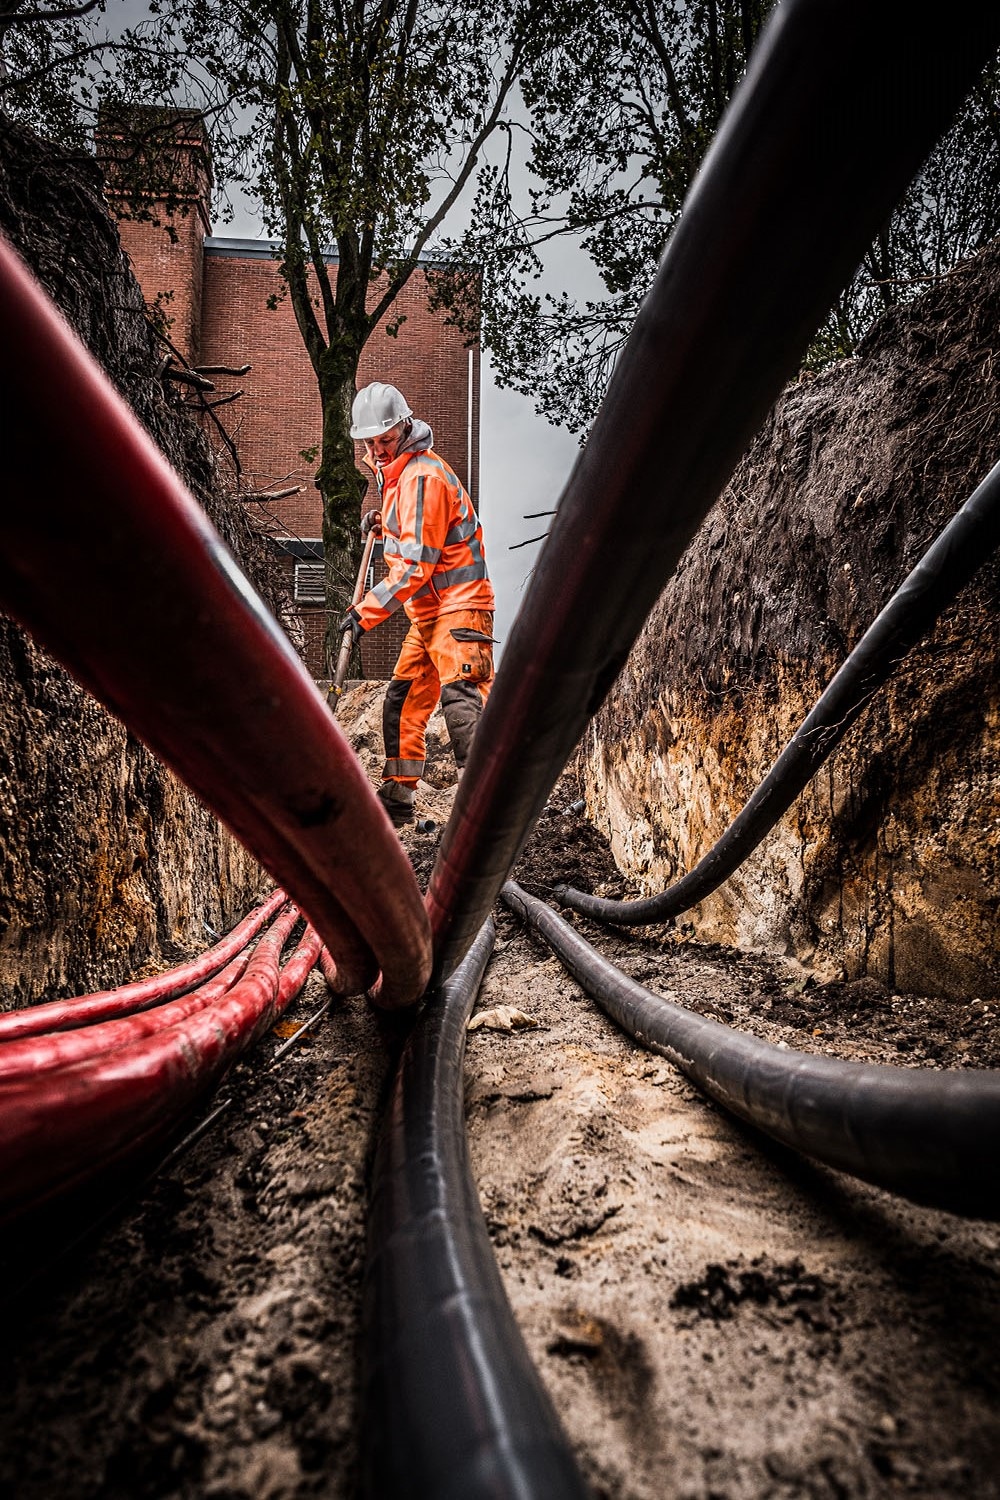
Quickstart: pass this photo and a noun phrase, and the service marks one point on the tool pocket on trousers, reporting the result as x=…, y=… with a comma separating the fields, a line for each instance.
x=475, y=654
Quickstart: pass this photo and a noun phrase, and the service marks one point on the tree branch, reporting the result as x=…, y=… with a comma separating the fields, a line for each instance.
x=400, y=278
x=66, y=13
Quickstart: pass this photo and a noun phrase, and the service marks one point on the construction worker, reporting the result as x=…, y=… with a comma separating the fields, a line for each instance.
x=433, y=548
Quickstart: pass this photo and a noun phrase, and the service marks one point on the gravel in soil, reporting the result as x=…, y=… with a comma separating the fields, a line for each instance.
x=713, y=1316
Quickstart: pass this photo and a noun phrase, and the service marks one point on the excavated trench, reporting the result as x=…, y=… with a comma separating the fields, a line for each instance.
x=711, y=1314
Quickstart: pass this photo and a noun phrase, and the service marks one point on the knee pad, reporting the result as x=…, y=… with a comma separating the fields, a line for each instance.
x=461, y=706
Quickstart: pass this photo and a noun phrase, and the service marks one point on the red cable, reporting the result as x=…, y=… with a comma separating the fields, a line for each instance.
x=32, y=1055
x=85, y=1010
x=71, y=1124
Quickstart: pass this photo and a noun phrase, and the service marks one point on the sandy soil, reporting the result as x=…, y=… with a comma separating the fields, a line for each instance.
x=713, y=1316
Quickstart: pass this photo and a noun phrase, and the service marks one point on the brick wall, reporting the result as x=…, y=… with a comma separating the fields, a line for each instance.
x=278, y=415
x=279, y=412
x=379, y=648
x=436, y=374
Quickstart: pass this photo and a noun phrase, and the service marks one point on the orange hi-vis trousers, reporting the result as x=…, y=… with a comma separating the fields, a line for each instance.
x=451, y=658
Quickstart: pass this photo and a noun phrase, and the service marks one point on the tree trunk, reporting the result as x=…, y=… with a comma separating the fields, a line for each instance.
x=342, y=486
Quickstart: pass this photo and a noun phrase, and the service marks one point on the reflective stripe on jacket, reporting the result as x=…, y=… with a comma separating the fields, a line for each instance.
x=432, y=541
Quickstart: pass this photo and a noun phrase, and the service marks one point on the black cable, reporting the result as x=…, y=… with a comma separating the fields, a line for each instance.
x=452, y=1407
x=970, y=537
x=930, y=1136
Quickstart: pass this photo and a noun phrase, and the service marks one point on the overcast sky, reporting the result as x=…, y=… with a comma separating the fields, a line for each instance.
x=525, y=464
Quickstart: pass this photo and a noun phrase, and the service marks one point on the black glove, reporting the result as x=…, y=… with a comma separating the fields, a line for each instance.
x=371, y=521
x=353, y=624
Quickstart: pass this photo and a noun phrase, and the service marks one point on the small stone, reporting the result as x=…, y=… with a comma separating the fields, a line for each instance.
x=502, y=1018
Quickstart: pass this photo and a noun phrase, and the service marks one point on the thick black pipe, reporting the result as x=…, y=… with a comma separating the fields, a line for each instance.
x=842, y=101
x=452, y=1407
x=932, y=1137
x=950, y=562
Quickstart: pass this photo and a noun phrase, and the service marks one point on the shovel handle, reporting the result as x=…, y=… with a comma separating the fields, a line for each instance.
x=347, y=639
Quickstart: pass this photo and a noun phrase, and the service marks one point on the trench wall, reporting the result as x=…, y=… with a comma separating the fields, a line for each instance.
x=108, y=866
x=887, y=863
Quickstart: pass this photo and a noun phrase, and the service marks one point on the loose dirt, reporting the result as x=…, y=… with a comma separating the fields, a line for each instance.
x=714, y=1316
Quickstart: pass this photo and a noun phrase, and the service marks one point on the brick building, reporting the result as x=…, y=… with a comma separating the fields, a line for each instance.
x=223, y=302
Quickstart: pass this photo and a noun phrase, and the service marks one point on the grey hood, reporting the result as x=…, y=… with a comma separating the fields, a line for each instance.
x=420, y=438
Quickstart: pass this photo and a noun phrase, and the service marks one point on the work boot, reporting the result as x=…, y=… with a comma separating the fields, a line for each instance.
x=398, y=800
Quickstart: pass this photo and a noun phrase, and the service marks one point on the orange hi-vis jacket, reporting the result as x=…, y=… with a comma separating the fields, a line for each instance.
x=432, y=542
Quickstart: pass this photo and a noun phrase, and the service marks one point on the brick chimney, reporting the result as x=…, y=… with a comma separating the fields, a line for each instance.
x=158, y=170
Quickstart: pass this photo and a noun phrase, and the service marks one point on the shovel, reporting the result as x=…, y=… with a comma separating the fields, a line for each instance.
x=336, y=687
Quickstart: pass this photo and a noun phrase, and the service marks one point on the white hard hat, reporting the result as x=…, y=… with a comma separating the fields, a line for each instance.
x=377, y=408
